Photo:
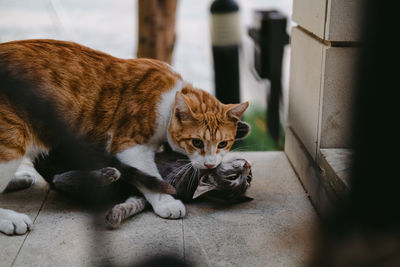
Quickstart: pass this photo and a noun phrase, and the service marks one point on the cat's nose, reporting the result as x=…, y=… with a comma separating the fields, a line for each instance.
x=247, y=164
x=209, y=166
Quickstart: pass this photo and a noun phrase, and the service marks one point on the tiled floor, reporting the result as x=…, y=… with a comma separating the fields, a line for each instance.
x=274, y=229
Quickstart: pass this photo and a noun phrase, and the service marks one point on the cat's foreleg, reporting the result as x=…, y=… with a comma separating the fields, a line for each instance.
x=133, y=205
x=142, y=158
x=11, y=222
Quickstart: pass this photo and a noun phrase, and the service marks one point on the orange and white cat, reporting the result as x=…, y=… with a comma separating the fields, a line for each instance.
x=129, y=107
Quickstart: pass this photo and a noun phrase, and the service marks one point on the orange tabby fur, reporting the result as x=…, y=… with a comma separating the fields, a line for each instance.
x=95, y=92
x=208, y=121
x=128, y=106
x=98, y=94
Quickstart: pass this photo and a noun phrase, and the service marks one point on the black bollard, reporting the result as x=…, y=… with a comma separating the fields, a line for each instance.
x=226, y=39
x=270, y=37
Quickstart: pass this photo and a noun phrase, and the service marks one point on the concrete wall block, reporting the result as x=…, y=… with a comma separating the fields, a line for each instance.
x=310, y=15
x=331, y=20
x=305, y=86
x=343, y=20
x=321, y=92
x=337, y=96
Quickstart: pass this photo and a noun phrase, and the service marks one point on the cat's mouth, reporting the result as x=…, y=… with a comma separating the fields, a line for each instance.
x=242, y=165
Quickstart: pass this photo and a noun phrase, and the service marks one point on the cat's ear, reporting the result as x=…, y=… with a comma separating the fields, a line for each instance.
x=243, y=130
x=235, y=111
x=205, y=185
x=182, y=110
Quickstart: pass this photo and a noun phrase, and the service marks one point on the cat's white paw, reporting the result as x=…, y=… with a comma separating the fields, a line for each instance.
x=170, y=209
x=14, y=223
x=21, y=180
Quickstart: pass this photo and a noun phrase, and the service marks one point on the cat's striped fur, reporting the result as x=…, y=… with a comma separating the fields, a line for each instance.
x=127, y=107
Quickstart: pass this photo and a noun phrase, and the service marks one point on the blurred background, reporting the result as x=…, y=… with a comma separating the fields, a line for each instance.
x=112, y=27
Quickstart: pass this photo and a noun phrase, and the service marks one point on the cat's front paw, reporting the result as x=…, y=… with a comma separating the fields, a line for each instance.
x=170, y=209
x=14, y=223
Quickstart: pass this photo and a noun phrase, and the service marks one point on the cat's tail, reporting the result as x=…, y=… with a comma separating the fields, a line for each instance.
x=24, y=93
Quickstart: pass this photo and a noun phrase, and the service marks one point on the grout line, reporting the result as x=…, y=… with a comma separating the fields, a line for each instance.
x=200, y=246
x=183, y=241
x=61, y=20
x=34, y=220
x=325, y=18
x=55, y=19
x=330, y=43
x=320, y=103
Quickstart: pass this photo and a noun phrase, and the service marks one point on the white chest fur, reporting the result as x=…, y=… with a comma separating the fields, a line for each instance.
x=142, y=156
x=164, y=113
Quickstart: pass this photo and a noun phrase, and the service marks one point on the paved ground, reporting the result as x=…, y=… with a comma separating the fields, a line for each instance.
x=272, y=230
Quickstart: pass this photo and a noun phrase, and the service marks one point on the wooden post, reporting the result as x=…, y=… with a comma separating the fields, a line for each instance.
x=156, y=29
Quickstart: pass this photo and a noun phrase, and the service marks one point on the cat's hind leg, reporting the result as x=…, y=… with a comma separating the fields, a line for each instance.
x=133, y=205
x=24, y=177
x=79, y=183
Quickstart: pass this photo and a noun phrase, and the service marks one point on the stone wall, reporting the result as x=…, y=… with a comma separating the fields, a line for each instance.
x=324, y=47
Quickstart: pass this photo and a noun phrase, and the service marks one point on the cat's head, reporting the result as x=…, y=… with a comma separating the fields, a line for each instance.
x=202, y=127
x=229, y=181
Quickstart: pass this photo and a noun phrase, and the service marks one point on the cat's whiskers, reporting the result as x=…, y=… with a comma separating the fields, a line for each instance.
x=177, y=172
x=242, y=148
x=171, y=176
x=187, y=167
x=188, y=170
x=179, y=169
x=182, y=168
x=193, y=178
x=183, y=160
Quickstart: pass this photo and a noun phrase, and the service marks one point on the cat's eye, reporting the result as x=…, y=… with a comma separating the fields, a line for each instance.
x=232, y=177
x=222, y=144
x=197, y=143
